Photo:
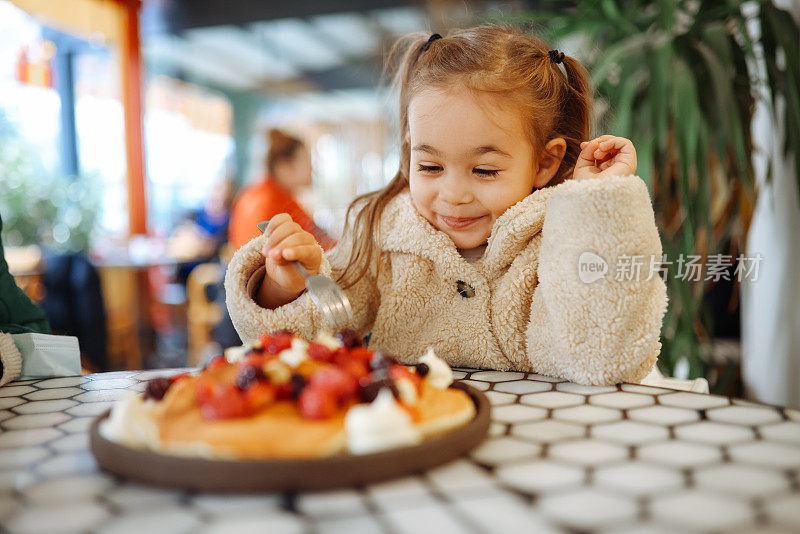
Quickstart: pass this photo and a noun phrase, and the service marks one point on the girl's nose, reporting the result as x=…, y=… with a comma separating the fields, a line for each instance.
x=453, y=190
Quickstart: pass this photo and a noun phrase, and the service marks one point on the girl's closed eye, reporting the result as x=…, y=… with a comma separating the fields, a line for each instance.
x=487, y=173
x=428, y=168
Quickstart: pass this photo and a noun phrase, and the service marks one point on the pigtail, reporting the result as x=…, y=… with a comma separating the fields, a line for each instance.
x=575, y=121
x=363, y=216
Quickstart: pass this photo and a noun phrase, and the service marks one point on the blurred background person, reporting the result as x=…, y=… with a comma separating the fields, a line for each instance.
x=203, y=235
x=288, y=170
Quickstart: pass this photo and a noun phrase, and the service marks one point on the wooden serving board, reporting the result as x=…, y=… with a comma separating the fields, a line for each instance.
x=242, y=476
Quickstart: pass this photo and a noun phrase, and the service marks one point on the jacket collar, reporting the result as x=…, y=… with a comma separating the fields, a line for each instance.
x=404, y=230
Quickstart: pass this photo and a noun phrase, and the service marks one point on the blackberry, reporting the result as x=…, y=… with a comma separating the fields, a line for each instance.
x=422, y=369
x=370, y=392
x=350, y=338
x=296, y=384
x=248, y=375
x=157, y=388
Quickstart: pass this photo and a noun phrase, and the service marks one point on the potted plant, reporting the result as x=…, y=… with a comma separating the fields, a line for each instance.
x=680, y=78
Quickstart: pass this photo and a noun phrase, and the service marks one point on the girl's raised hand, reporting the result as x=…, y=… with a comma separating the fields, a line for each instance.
x=287, y=242
x=605, y=156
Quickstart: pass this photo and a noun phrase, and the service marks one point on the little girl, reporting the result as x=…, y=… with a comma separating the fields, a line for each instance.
x=474, y=246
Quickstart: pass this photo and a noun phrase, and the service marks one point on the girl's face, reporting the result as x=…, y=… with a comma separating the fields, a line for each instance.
x=470, y=162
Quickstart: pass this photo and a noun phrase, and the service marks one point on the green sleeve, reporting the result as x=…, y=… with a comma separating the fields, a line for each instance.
x=18, y=314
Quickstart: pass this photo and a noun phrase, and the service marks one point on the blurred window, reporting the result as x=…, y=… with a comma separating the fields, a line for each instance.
x=188, y=141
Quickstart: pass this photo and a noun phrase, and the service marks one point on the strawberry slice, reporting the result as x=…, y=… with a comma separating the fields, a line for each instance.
x=227, y=402
x=362, y=354
x=348, y=363
x=316, y=403
x=341, y=384
x=317, y=351
x=259, y=395
x=276, y=342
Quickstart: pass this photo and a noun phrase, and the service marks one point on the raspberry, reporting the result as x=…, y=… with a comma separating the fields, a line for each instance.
x=157, y=388
x=284, y=391
x=341, y=384
x=350, y=338
x=317, y=351
x=316, y=403
x=259, y=395
x=249, y=374
x=227, y=402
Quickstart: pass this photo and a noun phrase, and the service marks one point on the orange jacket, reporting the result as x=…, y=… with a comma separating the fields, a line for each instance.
x=263, y=201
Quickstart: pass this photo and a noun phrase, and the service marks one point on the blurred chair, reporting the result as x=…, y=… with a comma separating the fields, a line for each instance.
x=122, y=318
x=203, y=313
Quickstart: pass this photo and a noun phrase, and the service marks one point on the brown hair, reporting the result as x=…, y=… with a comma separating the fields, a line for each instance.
x=281, y=147
x=496, y=59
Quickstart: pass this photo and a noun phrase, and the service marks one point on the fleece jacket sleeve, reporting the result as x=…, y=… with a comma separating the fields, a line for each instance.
x=594, y=319
x=301, y=316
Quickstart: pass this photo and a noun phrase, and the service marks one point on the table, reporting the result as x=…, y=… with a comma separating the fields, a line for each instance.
x=560, y=457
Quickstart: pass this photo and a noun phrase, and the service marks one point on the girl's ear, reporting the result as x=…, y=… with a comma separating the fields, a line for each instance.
x=549, y=161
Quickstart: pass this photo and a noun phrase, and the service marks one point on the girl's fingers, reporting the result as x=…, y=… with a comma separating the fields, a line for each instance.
x=277, y=221
x=614, y=148
x=308, y=255
x=282, y=232
x=283, y=251
x=586, y=155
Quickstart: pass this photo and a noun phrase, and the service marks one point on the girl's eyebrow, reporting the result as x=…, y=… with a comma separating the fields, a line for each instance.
x=427, y=148
x=486, y=149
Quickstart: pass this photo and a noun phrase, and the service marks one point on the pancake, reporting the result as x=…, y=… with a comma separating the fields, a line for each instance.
x=441, y=410
x=278, y=431
x=288, y=428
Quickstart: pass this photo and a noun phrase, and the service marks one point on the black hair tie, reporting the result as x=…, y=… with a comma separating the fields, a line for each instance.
x=431, y=39
x=555, y=56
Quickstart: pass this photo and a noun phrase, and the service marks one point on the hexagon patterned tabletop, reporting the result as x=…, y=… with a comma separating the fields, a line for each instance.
x=561, y=457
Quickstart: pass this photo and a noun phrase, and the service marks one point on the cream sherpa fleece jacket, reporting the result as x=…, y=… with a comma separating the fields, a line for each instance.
x=530, y=310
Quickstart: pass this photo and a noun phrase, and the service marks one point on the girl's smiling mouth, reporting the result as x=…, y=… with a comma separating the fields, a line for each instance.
x=458, y=223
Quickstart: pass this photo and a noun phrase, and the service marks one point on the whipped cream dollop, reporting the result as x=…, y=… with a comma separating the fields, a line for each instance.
x=236, y=354
x=130, y=423
x=407, y=391
x=439, y=375
x=382, y=424
x=327, y=340
x=296, y=354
